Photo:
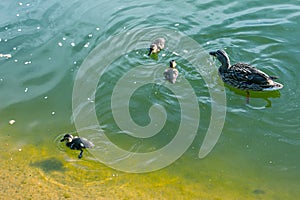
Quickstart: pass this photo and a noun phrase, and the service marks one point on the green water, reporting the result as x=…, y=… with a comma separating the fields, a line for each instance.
x=257, y=154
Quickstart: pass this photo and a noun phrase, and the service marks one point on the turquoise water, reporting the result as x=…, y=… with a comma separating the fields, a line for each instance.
x=256, y=156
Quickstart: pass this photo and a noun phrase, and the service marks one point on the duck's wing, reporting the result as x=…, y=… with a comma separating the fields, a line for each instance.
x=247, y=73
x=76, y=143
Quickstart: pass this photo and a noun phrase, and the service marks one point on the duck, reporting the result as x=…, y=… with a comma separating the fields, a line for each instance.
x=76, y=143
x=244, y=76
x=171, y=73
x=157, y=45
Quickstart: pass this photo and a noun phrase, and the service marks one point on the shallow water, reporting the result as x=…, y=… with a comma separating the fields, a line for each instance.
x=256, y=156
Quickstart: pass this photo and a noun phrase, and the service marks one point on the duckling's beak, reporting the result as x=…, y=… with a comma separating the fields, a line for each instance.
x=150, y=51
x=213, y=53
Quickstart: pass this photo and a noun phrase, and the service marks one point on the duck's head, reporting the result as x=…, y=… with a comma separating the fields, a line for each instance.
x=173, y=64
x=222, y=56
x=153, y=49
x=67, y=137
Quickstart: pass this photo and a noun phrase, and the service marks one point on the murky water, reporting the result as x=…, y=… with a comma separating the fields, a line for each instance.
x=256, y=156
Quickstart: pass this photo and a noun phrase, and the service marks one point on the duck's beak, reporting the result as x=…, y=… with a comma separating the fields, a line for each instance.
x=62, y=140
x=213, y=53
x=150, y=51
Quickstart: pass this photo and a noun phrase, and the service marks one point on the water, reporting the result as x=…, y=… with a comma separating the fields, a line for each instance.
x=256, y=156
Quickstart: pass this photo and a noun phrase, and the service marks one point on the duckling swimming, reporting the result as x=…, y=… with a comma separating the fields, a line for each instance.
x=77, y=143
x=171, y=73
x=157, y=45
x=244, y=76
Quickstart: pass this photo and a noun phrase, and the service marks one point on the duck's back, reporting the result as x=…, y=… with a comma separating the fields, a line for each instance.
x=79, y=143
x=245, y=76
x=75, y=144
x=171, y=75
x=160, y=42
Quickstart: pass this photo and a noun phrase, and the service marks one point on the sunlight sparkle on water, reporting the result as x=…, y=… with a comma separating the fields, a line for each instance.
x=12, y=121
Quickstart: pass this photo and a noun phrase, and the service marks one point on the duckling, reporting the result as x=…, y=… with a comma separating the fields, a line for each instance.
x=157, y=45
x=77, y=143
x=244, y=76
x=171, y=73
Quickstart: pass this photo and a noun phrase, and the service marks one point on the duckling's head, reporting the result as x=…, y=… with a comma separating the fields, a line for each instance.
x=222, y=56
x=67, y=137
x=153, y=49
x=173, y=64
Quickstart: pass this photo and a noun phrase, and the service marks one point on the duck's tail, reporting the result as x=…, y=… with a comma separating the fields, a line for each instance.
x=275, y=86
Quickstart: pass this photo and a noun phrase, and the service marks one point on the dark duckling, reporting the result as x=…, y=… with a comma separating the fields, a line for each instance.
x=77, y=143
x=171, y=73
x=157, y=45
x=244, y=76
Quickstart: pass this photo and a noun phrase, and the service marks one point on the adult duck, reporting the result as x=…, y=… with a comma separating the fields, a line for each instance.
x=244, y=76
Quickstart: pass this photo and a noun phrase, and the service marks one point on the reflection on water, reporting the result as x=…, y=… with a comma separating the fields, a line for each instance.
x=257, y=154
x=257, y=100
